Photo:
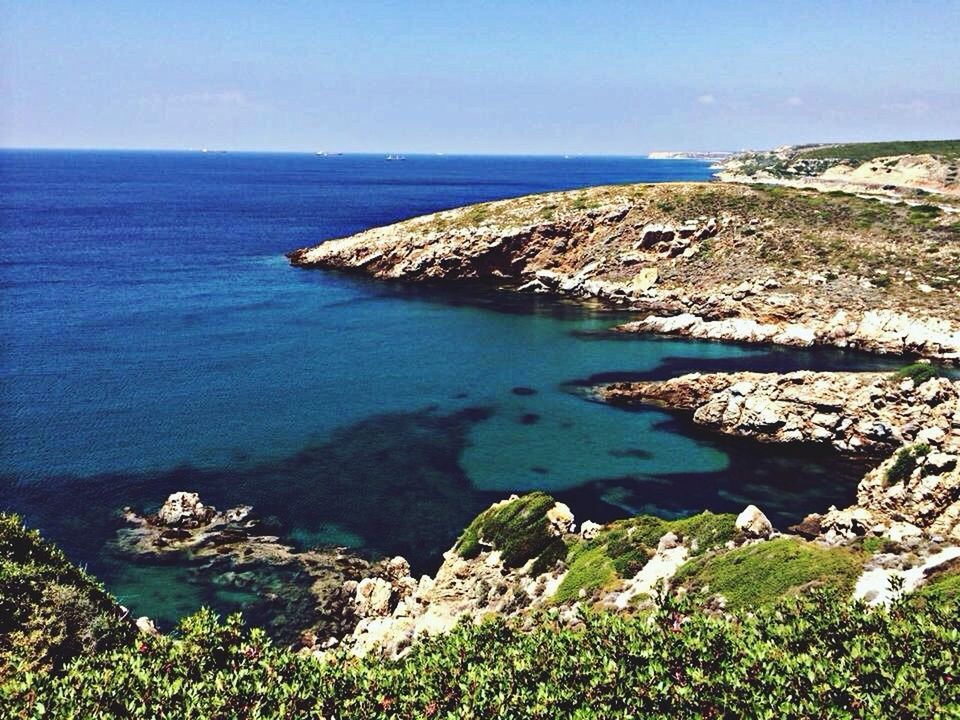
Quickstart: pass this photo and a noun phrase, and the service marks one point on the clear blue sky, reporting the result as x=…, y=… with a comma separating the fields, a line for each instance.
x=545, y=77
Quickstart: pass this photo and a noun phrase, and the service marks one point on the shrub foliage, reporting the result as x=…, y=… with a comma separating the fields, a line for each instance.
x=816, y=657
x=51, y=611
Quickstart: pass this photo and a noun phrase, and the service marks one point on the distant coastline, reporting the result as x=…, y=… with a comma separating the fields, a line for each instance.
x=712, y=155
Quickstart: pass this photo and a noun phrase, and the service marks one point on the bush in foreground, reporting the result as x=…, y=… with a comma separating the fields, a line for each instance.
x=51, y=611
x=816, y=657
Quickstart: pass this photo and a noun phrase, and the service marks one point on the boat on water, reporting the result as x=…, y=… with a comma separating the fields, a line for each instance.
x=395, y=157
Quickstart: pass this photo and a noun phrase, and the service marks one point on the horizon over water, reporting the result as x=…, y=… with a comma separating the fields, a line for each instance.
x=156, y=339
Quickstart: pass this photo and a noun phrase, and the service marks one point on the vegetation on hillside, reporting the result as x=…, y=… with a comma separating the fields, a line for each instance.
x=51, y=611
x=819, y=657
x=862, y=152
x=776, y=230
x=622, y=548
x=765, y=573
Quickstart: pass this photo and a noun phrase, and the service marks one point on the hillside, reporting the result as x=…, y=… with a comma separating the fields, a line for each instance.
x=727, y=261
x=790, y=643
x=861, y=152
x=903, y=169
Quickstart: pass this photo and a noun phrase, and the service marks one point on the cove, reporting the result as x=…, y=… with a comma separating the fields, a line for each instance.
x=157, y=340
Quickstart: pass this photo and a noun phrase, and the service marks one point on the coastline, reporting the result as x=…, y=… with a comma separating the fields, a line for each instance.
x=702, y=260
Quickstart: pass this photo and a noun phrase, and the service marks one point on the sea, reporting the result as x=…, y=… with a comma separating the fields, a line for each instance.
x=155, y=339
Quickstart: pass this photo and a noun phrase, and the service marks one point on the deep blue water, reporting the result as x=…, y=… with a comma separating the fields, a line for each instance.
x=155, y=339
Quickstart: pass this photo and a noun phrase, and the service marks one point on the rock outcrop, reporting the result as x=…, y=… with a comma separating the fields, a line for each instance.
x=891, y=175
x=912, y=429
x=721, y=262
x=297, y=591
x=753, y=523
x=866, y=414
x=482, y=576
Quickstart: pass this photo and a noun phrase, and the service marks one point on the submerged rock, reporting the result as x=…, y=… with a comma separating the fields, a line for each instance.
x=290, y=591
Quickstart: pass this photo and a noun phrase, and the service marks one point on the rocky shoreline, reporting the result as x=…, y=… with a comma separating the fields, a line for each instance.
x=909, y=428
x=296, y=593
x=525, y=556
x=712, y=261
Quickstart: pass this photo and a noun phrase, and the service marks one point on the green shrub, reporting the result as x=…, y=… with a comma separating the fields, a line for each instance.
x=819, y=657
x=905, y=463
x=519, y=529
x=50, y=610
x=918, y=372
x=764, y=573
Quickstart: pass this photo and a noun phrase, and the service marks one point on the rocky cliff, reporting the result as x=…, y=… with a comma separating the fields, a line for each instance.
x=911, y=427
x=703, y=260
x=907, y=170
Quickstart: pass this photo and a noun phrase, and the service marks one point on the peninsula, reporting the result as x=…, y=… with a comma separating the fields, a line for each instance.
x=724, y=261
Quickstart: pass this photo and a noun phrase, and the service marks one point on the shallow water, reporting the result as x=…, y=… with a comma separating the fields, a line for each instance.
x=155, y=339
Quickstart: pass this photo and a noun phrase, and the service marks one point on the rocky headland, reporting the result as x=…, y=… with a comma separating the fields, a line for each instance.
x=704, y=260
x=908, y=426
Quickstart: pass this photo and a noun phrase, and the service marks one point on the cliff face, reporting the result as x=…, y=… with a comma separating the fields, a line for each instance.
x=704, y=260
x=897, y=169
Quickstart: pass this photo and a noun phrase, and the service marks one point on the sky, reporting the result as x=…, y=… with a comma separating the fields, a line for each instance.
x=474, y=76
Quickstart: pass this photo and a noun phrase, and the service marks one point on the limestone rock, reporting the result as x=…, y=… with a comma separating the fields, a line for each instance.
x=753, y=523
x=668, y=542
x=645, y=279
x=560, y=519
x=589, y=529
x=184, y=509
x=373, y=597
x=146, y=626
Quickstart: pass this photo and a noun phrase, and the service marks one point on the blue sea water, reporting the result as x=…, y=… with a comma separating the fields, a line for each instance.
x=155, y=339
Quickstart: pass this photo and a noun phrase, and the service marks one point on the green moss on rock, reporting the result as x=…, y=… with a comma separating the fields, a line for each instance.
x=762, y=574
x=622, y=548
x=519, y=529
x=944, y=587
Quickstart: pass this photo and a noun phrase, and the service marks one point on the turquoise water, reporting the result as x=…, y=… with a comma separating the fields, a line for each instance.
x=155, y=339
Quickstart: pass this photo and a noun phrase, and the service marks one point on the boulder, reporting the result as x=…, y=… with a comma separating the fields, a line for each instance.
x=560, y=519
x=847, y=523
x=645, y=279
x=589, y=529
x=373, y=597
x=146, y=626
x=184, y=509
x=397, y=568
x=753, y=523
x=668, y=542
x=809, y=527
